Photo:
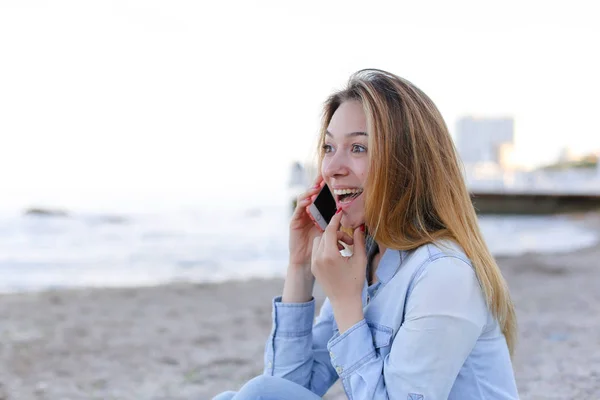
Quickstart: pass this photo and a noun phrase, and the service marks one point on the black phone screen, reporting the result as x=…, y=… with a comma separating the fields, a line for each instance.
x=325, y=203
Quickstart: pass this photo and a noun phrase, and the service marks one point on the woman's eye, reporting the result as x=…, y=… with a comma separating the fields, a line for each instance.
x=357, y=148
x=327, y=148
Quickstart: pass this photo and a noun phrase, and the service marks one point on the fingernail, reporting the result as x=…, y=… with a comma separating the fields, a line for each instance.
x=362, y=228
x=338, y=210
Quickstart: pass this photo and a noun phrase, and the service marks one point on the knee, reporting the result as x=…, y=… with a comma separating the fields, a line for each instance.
x=225, y=396
x=257, y=387
x=253, y=389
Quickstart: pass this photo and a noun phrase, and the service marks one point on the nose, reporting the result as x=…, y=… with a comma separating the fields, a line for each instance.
x=335, y=165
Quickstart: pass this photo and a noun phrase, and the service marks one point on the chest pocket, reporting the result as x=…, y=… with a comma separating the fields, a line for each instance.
x=382, y=338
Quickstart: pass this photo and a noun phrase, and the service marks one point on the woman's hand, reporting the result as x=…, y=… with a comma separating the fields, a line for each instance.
x=302, y=228
x=299, y=281
x=342, y=278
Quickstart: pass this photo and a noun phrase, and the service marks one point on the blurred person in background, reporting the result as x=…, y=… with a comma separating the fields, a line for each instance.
x=420, y=310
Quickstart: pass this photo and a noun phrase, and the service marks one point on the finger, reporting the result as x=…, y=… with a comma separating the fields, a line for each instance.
x=330, y=234
x=309, y=214
x=300, y=204
x=304, y=200
x=308, y=194
x=344, y=237
x=318, y=181
x=316, y=189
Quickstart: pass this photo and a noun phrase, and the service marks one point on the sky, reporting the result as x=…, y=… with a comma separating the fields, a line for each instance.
x=151, y=103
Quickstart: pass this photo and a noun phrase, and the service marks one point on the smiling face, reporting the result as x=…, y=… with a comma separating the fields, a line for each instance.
x=345, y=161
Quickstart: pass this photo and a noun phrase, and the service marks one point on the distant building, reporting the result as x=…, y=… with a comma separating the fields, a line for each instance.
x=486, y=140
x=567, y=155
x=298, y=175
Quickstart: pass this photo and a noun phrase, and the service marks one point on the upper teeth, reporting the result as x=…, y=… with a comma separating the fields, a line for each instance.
x=346, y=191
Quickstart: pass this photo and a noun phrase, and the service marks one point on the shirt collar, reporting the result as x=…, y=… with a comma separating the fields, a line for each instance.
x=389, y=264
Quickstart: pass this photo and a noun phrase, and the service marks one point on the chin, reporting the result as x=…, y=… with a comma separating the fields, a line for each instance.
x=351, y=221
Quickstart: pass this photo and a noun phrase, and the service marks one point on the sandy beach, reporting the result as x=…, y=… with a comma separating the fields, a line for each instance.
x=190, y=341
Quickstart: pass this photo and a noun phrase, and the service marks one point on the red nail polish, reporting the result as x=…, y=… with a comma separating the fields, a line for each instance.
x=339, y=210
x=362, y=228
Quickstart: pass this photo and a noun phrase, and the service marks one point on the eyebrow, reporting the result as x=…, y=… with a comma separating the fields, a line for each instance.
x=351, y=134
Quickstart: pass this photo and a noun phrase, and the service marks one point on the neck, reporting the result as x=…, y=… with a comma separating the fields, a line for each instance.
x=375, y=264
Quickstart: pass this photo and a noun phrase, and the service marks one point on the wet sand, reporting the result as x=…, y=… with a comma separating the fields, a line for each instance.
x=192, y=341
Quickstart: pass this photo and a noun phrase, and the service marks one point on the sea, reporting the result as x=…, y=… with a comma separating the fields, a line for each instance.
x=93, y=249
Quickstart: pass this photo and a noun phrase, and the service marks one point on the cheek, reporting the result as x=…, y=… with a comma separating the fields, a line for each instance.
x=362, y=173
x=361, y=165
x=363, y=179
x=324, y=166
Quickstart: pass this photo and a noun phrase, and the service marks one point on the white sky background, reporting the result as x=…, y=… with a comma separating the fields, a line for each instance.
x=144, y=103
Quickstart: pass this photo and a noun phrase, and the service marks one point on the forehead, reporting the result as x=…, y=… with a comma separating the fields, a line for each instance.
x=349, y=117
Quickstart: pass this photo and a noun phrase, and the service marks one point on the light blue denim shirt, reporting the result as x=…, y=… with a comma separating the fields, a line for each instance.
x=427, y=334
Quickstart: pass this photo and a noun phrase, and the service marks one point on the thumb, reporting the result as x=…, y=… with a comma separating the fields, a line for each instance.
x=359, y=242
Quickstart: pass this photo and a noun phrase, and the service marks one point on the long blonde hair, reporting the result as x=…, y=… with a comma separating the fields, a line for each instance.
x=415, y=192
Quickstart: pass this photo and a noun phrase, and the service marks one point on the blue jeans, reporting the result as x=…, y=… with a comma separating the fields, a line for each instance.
x=265, y=387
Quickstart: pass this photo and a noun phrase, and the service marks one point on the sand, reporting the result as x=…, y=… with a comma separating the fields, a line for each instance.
x=190, y=341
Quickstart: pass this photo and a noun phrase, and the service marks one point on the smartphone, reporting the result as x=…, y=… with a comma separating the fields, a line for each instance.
x=323, y=208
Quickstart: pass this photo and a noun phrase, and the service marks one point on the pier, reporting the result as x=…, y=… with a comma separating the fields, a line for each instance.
x=534, y=203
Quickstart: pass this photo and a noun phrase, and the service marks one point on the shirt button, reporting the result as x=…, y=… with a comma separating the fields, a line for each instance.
x=331, y=354
x=338, y=370
x=270, y=364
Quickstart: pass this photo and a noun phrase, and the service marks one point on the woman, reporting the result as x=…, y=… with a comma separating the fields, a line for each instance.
x=420, y=310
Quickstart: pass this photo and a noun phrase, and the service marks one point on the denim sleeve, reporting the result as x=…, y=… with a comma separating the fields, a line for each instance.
x=297, y=349
x=444, y=315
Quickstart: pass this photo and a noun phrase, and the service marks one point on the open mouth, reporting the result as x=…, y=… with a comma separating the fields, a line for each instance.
x=346, y=196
